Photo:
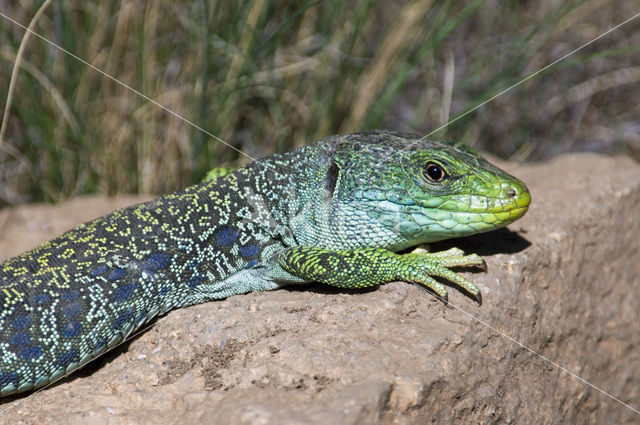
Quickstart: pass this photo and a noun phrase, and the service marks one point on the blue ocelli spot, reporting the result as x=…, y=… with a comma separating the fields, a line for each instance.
x=251, y=264
x=100, y=344
x=42, y=298
x=156, y=262
x=117, y=273
x=69, y=296
x=21, y=322
x=122, y=318
x=31, y=353
x=72, y=309
x=71, y=329
x=21, y=339
x=11, y=378
x=125, y=292
x=99, y=270
x=249, y=251
x=65, y=359
x=196, y=279
x=226, y=236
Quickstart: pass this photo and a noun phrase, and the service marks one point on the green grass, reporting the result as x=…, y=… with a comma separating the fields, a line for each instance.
x=269, y=76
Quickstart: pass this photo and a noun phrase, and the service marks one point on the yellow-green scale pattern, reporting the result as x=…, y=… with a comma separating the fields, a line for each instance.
x=346, y=269
x=69, y=300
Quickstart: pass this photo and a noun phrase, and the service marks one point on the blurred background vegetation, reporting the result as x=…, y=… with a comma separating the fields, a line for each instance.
x=270, y=76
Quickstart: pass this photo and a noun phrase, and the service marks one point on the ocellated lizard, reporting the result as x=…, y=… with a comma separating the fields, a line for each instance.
x=336, y=212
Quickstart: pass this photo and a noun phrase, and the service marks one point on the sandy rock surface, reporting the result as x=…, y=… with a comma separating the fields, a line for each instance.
x=563, y=281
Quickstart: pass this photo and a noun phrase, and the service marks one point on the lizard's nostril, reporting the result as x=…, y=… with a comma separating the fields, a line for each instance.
x=511, y=193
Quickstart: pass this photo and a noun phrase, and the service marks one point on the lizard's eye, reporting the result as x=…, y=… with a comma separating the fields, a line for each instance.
x=434, y=172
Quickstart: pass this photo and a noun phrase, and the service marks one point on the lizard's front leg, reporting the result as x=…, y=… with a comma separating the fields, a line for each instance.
x=364, y=267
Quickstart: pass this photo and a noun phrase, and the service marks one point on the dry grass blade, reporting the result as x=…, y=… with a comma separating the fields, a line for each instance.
x=49, y=87
x=592, y=86
x=16, y=67
x=402, y=32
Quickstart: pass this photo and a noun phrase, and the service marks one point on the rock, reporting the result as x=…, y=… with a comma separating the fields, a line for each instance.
x=559, y=299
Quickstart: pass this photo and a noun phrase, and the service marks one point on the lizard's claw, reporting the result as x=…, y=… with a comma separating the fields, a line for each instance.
x=421, y=267
x=483, y=266
x=479, y=298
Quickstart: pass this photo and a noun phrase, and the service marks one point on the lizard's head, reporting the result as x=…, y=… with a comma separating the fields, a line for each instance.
x=422, y=191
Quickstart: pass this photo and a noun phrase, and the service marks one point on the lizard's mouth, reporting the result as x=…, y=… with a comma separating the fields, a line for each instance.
x=482, y=212
x=506, y=202
x=436, y=218
x=504, y=210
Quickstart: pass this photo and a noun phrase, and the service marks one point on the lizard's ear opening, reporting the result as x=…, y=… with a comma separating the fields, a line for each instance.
x=331, y=180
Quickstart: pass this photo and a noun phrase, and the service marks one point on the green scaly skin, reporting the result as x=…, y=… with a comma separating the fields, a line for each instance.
x=336, y=212
x=216, y=173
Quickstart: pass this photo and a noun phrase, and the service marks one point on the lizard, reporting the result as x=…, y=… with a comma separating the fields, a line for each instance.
x=342, y=211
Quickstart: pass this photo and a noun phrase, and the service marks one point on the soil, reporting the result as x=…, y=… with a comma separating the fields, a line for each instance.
x=560, y=298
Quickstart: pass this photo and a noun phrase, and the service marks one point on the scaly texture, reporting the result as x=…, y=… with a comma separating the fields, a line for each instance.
x=335, y=212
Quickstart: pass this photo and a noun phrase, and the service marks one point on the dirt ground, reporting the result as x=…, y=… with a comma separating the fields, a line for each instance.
x=562, y=282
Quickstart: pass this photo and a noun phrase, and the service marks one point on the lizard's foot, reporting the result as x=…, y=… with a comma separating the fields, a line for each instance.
x=421, y=265
x=360, y=268
x=453, y=257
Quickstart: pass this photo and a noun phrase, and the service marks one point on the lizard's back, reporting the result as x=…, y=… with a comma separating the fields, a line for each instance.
x=67, y=301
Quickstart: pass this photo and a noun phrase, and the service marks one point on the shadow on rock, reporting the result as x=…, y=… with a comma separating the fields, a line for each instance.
x=500, y=241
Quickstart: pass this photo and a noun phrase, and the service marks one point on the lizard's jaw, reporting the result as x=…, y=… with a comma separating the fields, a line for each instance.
x=439, y=218
x=511, y=204
x=480, y=213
